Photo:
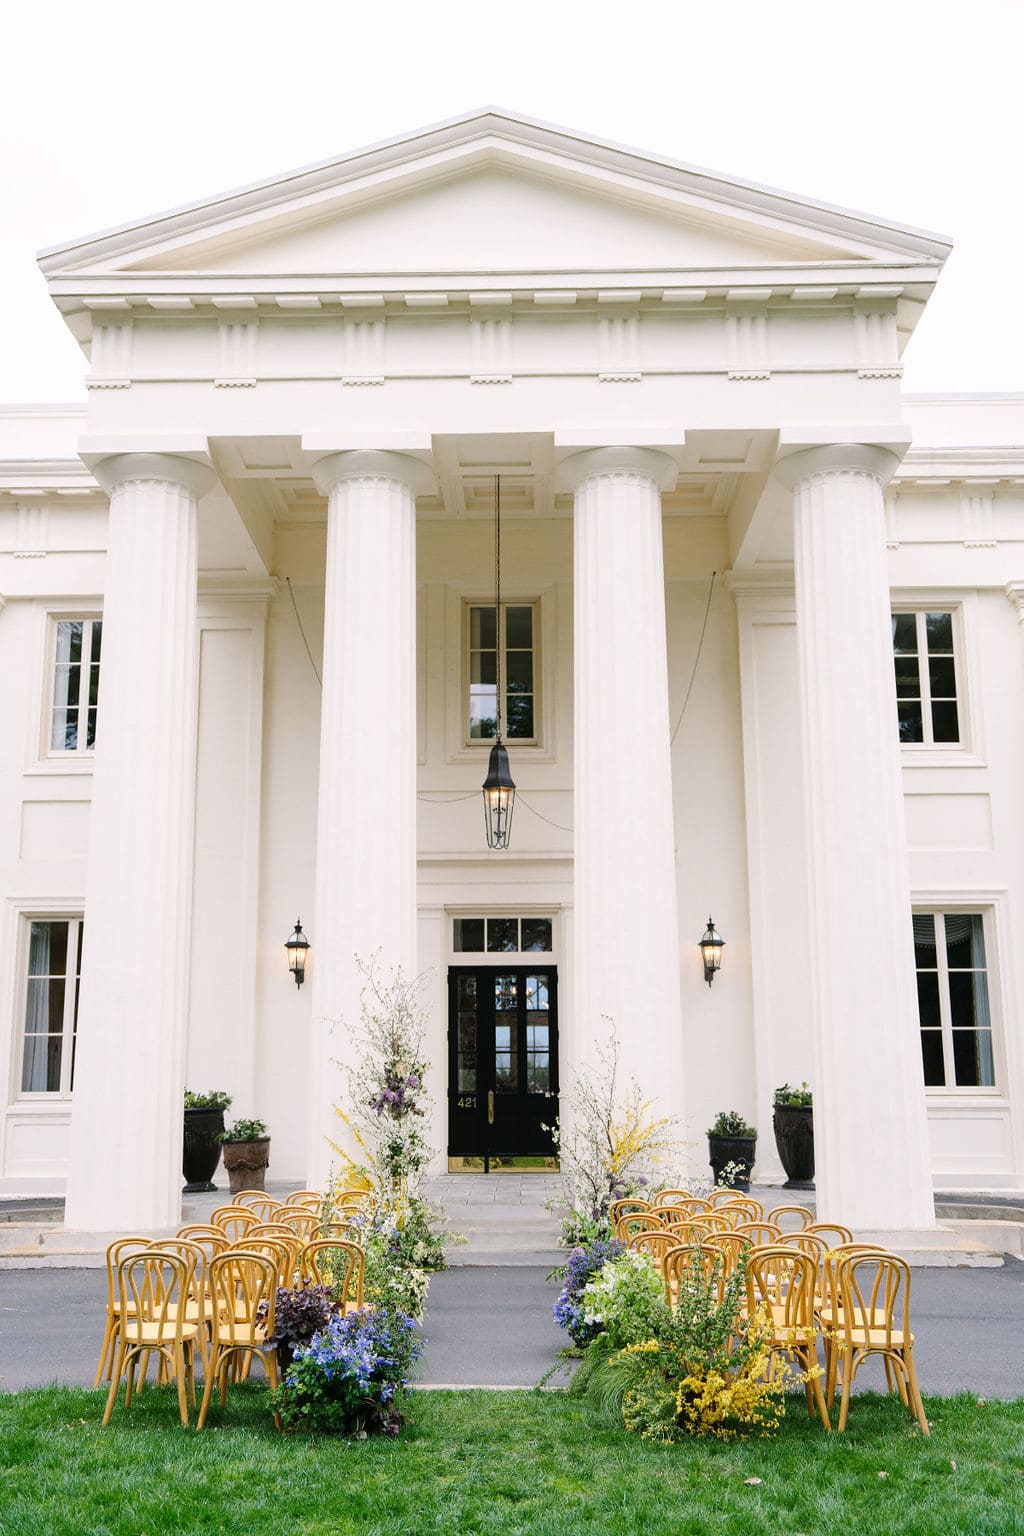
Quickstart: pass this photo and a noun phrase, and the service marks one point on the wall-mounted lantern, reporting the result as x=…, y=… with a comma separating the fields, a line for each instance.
x=296, y=949
x=711, y=946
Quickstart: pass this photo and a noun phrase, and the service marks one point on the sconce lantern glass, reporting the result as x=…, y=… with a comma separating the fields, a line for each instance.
x=711, y=946
x=296, y=948
x=499, y=798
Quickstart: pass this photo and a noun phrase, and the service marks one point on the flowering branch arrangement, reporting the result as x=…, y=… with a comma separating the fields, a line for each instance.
x=351, y=1377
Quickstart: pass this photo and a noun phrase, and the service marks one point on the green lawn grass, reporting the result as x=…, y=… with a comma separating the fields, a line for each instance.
x=500, y=1464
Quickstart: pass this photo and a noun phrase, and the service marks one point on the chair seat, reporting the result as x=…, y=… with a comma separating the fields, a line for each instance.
x=242, y=1335
x=136, y=1332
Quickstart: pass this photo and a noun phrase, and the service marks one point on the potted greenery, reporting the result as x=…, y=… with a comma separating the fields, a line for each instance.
x=246, y=1148
x=793, y=1120
x=204, y=1122
x=731, y=1144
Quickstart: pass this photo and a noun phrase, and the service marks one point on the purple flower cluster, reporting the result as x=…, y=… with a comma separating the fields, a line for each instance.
x=582, y=1265
x=396, y=1098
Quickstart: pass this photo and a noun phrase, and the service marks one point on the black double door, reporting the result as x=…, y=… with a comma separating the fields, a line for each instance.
x=502, y=1061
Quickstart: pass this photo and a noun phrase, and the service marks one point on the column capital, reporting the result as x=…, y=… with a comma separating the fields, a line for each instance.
x=620, y=460
x=837, y=459
x=373, y=464
x=167, y=468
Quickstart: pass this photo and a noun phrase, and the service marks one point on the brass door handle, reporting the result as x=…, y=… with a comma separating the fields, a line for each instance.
x=490, y=1107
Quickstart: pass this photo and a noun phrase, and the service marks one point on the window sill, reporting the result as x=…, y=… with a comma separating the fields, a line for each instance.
x=940, y=757
x=966, y=1098
x=61, y=766
x=33, y=1103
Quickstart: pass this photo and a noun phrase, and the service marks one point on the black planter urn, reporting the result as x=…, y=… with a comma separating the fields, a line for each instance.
x=201, y=1150
x=794, y=1137
x=738, y=1150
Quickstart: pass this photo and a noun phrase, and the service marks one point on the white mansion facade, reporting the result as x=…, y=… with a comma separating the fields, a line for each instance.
x=759, y=645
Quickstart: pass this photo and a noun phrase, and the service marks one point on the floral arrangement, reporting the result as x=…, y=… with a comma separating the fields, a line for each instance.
x=351, y=1377
x=299, y=1313
x=626, y=1300
x=581, y=1267
x=608, y=1146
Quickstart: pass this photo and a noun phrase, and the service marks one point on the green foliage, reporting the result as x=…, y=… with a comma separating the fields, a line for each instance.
x=498, y=1463
x=793, y=1098
x=627, y=1299
x=244, y=1130
x=214, y=1099
x=729, y=1122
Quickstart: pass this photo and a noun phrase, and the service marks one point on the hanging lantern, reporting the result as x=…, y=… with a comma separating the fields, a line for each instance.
x=499, y=788
x=296, y=948
x=711, y=946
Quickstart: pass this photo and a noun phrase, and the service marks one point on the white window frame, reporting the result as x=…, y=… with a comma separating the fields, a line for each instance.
x=44, y=759
x=969, y=750
x=63, y=1094
x=499, y=957
x=936, y=904
x=487, y=742
x=542, y=747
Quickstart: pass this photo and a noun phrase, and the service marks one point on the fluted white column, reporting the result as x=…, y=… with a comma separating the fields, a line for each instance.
x=626, y=953
x=870, y=1128
x=366, y=828
x=126, y=1118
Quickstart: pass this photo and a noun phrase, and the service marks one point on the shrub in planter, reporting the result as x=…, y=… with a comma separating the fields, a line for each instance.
x=246, y=1148
x=351, y=1377
x=731, y=1146
x=204, y=1123
x=793, y=1122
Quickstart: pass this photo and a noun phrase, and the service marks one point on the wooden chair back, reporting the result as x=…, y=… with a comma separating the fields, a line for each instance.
x=759, y=1232
x=312, y=1199
x=874, y=1319
x=234, y=1220
x=240, y=1281
x=675, y=1196
x=272, y=1229
x=302, y=1223
x=257, y=1201
x=621, y=1208
x=790, y=1218
x=685, y=1258
x=656, y=1242
x=338, y=1264
x=737, y=1208
x=637, y=1221
x=733, y=1245
x=811, y=1243
x=784, y=1281
x=153, y=1287
x=834, y=1234
x=681, y=1209
x=203, y=1232
x=283, y=1250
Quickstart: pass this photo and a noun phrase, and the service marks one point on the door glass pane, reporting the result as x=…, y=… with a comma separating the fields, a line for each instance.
x=537, y=993
x=538, y=1075
x=536, y=1037
x=536, y=933
x=467, y=1031
x=467, y=991
x=503, y=936
x=505, y=994
x=469, y=936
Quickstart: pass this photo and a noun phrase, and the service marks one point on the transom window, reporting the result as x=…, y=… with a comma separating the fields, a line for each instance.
x=952, y=1000
x=926, y=691
x=518, y=672
x=76, y=685
x=51, y=1006
x=502, y=935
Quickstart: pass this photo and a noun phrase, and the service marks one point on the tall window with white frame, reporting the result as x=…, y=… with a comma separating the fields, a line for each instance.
x=926, y=678
x=51, y=1005
x=518, y=671
x=953, y=1000
x=76, y=685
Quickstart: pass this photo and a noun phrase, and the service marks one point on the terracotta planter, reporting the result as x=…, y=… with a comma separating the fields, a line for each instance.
x=738, y=1150
x=246, y=1163
x=201, y=1150
x=794, y=1137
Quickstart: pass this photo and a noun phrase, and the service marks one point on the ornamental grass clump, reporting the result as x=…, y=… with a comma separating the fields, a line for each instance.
x=352, y=1376
x=581, y=1266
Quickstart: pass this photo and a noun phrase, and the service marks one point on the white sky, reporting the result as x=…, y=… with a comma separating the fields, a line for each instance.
x=910, y=109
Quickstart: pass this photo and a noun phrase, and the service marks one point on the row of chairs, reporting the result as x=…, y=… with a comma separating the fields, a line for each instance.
x=809, y=1283
x=212, y=1290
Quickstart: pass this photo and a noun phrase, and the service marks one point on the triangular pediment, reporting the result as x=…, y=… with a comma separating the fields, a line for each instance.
x=494, y=193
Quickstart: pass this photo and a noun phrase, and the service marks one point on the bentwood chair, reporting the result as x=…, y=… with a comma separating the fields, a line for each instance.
x=338, y=1264
x=153, y=1290
x=682, y=1261
x=733, y=1245
x=620, y=1209
x=730, y=1198
x=241, y=1283
x=682, y=1197
x=234, y=1220
x=781, y=1293
x=830, y=1308
x=655, y=1242
x=834, y=1234
x=311, y=1198
x=302, y=1223
x=875, y=1320
x=738, y=1208
x=637, y=1221
x=681, y=1210
x=284, y=1250
x=257, y=1201
x=759, y=1232
x=791, y=1218
x=118, y=1250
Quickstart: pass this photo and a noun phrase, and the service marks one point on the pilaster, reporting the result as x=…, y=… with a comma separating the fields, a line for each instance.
x=871, y=1142
x=126, y=1122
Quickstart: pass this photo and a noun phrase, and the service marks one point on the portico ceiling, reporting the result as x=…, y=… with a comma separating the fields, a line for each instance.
x=272, y=476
